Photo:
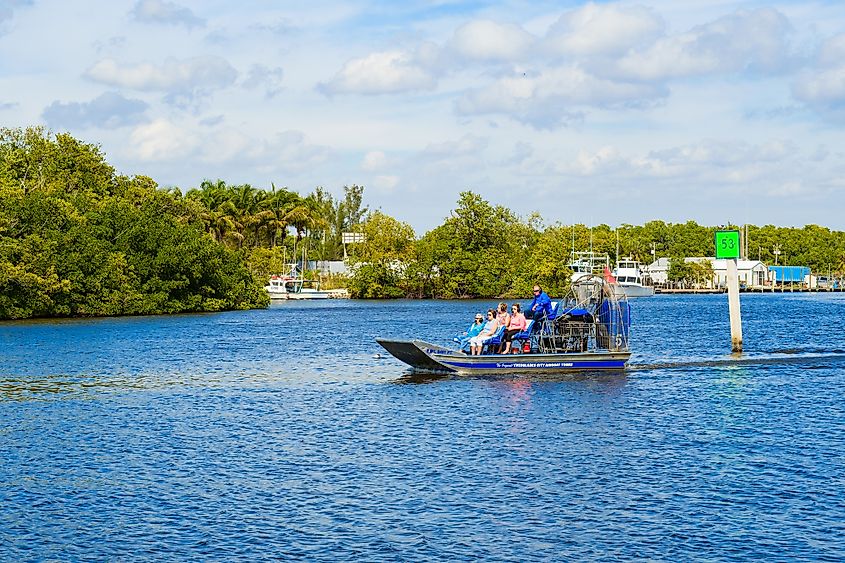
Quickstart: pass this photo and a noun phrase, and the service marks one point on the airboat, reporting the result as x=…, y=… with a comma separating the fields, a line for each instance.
x=587, y=330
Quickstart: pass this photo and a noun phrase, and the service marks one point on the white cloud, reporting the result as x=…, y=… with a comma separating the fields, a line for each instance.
x=222, y=147
x=466, y=145
x=553, y=97
x=268, y=78
x=212, y=120
x=450, y=159
x=823, y=87
x=290, y=151
x=385, y=72
x=162, y=140
x=745, y=40
x=198, y=74
x=522, y=151
x=719, y=161
x=603, y=30
x=374, y=160
x=287, y=151
x=488, y=41
x=603, y=160
x=386, y=183
x=161, y=12
x=505, y=99
x=832, y=51
x=8, y=7
x=109, y=110
x=788, y=189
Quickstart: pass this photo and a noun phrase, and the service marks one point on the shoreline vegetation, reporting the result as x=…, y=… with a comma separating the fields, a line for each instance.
x=78, y=239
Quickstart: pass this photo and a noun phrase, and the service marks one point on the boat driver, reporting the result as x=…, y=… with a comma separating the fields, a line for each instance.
x=542, y=304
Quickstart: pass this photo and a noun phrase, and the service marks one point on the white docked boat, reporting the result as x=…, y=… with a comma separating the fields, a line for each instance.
x=588, y=263
x=629, y=279
x=294, y=286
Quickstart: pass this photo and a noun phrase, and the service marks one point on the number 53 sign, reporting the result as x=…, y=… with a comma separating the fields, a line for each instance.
x=727, y=244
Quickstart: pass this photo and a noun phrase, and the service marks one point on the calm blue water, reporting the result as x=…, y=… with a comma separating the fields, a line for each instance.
x=277, y=434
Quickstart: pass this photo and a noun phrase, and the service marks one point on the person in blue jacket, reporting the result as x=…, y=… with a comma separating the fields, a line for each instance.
x=541, y=305
x=473, y=330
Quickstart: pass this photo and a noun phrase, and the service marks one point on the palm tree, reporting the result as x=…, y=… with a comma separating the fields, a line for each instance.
x=175, y=191
x=282, y=208
x=221, y=216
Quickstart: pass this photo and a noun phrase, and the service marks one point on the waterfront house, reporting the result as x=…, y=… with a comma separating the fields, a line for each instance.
x=328, y=267
x=751, y=273
x=658, y=271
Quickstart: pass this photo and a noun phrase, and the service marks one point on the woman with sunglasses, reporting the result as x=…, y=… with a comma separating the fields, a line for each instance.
x=476, y=343
x=504, y=319
x=517, y=325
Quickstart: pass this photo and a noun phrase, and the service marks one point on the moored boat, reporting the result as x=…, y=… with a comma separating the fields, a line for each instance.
x=294, y=286
x=629, y=279
x=587, y=330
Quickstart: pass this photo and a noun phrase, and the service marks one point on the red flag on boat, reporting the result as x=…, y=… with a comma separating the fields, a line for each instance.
x=608, y=276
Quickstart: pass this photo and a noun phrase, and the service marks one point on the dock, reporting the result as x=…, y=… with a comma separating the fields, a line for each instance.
x=787, y=289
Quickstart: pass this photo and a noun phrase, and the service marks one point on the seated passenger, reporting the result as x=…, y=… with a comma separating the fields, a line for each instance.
x=517, y=325
x=542, y=304
x=474, y=330
x=476, y=343
x=502, y=314
x=504, y=320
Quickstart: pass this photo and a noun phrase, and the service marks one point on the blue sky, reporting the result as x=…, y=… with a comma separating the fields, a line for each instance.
x=605, y=112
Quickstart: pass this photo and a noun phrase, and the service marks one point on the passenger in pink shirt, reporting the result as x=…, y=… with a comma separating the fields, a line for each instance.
x=517, y=325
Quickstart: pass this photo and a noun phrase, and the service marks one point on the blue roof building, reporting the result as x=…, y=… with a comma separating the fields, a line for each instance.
x=790, y=274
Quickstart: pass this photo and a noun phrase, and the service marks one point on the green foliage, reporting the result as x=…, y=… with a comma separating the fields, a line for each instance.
x=701, y=271
x=266, y=262
x=378, y=280
x=472, y=253
x=379, y=264
x=679, y=270
x=547, y=263
x=485, y=251
x=76, y=239
x=480, y=251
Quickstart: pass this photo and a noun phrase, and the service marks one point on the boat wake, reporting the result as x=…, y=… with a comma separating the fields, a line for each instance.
x=791, y=357
x=810, y=359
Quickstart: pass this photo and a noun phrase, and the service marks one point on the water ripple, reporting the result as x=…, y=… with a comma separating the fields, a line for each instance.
x=276, y=435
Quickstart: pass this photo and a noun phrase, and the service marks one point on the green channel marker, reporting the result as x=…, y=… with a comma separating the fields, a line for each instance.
x=727, y=244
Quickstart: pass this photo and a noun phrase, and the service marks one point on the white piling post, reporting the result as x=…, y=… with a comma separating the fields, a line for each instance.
x=733, y=306
x=728, y=249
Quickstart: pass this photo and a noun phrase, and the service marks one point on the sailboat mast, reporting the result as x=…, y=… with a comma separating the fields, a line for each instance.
x=617, y=246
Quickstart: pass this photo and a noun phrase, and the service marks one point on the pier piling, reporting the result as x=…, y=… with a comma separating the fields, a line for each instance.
x=733, y=306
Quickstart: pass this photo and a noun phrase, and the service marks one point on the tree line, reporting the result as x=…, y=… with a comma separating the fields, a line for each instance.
x=79, y=239
x=483, y=250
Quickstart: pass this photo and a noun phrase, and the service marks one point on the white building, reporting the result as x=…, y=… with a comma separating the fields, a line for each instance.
x=328, y=266
x=657, y=271
x=751, y=273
